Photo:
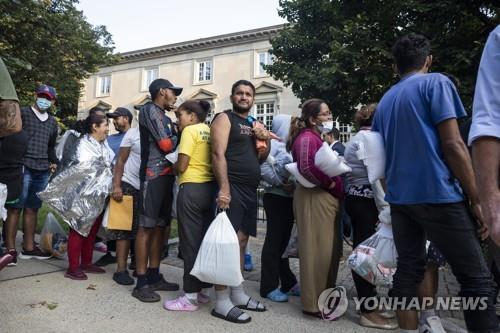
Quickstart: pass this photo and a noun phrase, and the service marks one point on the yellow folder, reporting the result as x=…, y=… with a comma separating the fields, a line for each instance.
x=121, y=213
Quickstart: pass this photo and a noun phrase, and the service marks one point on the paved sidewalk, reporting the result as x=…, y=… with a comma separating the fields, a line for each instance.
x=35, y=297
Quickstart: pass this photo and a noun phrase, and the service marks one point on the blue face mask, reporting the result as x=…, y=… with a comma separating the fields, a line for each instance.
x=43, y=103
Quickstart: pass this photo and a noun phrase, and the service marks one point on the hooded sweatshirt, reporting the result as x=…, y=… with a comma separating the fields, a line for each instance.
x=273, y=169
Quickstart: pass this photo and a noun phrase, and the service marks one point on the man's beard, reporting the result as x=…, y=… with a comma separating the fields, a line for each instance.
x=241, y=110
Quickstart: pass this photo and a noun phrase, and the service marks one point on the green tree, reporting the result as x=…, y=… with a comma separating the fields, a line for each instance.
x=50, y=41
x=340, y=50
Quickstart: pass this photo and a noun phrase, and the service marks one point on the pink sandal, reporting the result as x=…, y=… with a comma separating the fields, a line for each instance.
x=181, y=303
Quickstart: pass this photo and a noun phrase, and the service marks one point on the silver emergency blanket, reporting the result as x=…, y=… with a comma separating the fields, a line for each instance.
x=80, y=191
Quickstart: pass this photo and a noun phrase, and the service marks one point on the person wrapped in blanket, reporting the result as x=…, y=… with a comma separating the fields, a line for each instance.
x=79, y=194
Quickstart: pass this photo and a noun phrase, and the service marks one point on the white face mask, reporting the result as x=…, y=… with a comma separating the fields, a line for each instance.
x=43, y=103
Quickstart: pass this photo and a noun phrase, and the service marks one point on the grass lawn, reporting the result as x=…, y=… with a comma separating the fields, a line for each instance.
x=42, y=214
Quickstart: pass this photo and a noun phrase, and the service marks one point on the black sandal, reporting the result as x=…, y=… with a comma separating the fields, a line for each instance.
x=232, y=316
x=253, y=305
x=146, y=294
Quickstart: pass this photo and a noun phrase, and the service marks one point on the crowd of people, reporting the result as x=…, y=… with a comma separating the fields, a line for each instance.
x=435, y=190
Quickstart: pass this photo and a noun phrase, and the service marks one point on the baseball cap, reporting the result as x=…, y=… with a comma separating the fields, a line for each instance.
x=120, y=112
x=158, y=84
x=44, y=89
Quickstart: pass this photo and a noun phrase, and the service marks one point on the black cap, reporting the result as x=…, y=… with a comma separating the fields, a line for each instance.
x=120, y=112
x=158, y=84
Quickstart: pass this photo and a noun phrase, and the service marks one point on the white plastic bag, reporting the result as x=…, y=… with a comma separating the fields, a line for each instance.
x=218, y=260
x=173, y=156
x=3, y=199
x=371, y=151
x=53, y=238
x=105, y=217
x=294, y=171
x=385, y=251
x=329, y=161
x=375, y=259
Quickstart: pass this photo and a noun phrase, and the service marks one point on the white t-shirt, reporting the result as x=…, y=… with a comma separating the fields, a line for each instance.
x=131, y=172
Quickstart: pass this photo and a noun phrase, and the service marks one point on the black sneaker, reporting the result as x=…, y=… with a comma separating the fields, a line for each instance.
x=123, y=278
x=146, y=294
x=105, y=260
x=164, y=285
x=132, y=266
x=36, y=253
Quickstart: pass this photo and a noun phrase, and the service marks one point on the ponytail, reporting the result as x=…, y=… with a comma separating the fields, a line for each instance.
x=296, y=126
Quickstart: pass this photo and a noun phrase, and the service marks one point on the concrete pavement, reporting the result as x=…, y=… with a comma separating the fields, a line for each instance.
x=35, y=297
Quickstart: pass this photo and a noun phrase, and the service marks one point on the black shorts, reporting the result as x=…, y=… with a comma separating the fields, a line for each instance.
x=242, y=210
x=155, y=202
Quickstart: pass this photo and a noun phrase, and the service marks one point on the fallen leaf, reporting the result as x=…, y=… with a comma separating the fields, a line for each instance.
x=51, y=306
x=92, y=287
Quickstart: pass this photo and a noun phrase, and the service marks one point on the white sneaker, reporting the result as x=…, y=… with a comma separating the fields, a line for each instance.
x=451, y=327
x=432, y=325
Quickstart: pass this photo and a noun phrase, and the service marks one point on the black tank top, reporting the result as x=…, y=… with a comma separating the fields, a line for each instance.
x=243, y=165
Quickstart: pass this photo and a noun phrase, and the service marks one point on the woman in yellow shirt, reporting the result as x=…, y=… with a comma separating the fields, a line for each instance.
x=195, y=201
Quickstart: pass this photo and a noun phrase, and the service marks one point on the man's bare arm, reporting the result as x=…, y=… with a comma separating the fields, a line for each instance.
x=457, y=157
x=219, y=135
x=486, y=161
x=122, y=158
x=10, y=118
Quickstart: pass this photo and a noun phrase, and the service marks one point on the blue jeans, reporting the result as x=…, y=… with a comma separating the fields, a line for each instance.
x=451, y=228
x=34, y=181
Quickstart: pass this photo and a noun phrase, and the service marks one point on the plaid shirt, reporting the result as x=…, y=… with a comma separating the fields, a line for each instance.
x=42, y=137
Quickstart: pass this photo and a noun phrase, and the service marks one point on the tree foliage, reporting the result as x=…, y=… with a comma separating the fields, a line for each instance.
x=50, y=41
x=340, y=50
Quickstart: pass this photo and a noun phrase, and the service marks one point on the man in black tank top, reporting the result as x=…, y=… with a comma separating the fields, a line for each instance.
x=236, y=165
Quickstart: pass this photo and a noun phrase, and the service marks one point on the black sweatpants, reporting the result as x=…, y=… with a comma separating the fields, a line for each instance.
x=279, y=213
x=195, y=212
x=451, y=228
x=364, y=216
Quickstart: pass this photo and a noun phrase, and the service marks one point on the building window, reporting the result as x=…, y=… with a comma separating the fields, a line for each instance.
x=203, y=71
x=148, y=76
x=263, y=58
x=264, y=112
x=103, y=85
x=345, y=131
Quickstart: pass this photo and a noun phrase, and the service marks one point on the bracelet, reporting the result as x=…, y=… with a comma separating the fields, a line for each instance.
x=224, y=196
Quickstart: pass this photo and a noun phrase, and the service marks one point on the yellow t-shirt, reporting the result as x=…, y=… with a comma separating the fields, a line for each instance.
x=195, y=143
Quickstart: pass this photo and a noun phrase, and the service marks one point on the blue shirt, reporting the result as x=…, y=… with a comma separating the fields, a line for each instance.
x=486, y=107
x=114, y=142
x=407, y=118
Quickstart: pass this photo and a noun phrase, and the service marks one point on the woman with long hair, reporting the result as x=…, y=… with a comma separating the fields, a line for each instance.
x=315, y=209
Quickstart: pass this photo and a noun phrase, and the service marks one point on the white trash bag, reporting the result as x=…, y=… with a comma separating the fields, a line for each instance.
x=330, y=162
x=294, y=171
x=218, y=260
x=371, y=151
x=3, y=199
